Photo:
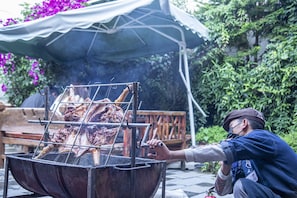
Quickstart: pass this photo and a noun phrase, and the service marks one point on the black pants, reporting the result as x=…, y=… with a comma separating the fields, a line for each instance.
x=246, y=188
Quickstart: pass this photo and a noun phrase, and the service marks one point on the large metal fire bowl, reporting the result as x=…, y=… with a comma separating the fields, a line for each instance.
x=80, y=178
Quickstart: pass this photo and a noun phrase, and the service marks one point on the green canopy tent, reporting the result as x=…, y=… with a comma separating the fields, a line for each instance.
x=111, y=31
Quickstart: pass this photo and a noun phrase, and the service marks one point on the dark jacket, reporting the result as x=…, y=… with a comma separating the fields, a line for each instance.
x=275, y=160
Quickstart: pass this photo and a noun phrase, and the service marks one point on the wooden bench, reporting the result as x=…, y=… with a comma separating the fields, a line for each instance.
x=168, y=126
x=15, y=129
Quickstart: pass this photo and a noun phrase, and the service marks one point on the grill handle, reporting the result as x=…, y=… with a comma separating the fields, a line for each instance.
x=132, y=168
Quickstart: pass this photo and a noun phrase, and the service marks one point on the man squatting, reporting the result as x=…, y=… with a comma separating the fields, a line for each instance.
x=256, y=162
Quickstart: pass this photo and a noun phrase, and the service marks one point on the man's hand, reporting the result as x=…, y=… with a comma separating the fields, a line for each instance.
x=158, y=150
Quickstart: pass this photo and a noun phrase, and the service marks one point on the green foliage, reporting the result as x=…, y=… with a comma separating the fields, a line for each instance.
x=210, y=167
x=162, y=85
x=252, y=61
x=19, y=84
x=207, y=135
x=290, y=138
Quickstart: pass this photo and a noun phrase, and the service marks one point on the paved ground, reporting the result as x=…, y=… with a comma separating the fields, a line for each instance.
x=190, y=183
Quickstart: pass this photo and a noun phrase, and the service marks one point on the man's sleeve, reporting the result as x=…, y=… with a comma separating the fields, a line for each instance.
x=223, y=183
x=207, y=153
x=228, y=151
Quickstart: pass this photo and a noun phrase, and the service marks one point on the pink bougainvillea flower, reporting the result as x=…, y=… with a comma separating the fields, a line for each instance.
x=34, y=65
x=13, y=66
x=31, y=73
x=3, y=87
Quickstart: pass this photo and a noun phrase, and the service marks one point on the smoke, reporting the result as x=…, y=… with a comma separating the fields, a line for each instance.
x=160, y=83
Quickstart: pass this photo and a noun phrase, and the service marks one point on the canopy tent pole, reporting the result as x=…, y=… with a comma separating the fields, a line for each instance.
x=191, y=111
x=189, y=93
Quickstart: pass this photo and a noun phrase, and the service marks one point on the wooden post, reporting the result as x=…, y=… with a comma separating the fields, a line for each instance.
x=2, y=150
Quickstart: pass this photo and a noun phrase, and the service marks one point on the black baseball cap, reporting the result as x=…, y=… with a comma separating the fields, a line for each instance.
x=249, y=113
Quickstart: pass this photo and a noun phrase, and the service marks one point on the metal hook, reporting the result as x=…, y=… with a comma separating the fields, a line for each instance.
x=128, y=126
x=40, y=122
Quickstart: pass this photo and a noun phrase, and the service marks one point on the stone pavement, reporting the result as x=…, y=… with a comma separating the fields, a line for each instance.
x=190, y=183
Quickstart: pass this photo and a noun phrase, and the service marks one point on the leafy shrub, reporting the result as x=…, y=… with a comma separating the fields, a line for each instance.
x=20, y=77
x=252, y=62
x=290, y=138
x=208, y=135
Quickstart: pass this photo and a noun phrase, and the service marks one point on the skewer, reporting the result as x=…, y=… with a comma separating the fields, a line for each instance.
x=90, y=123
